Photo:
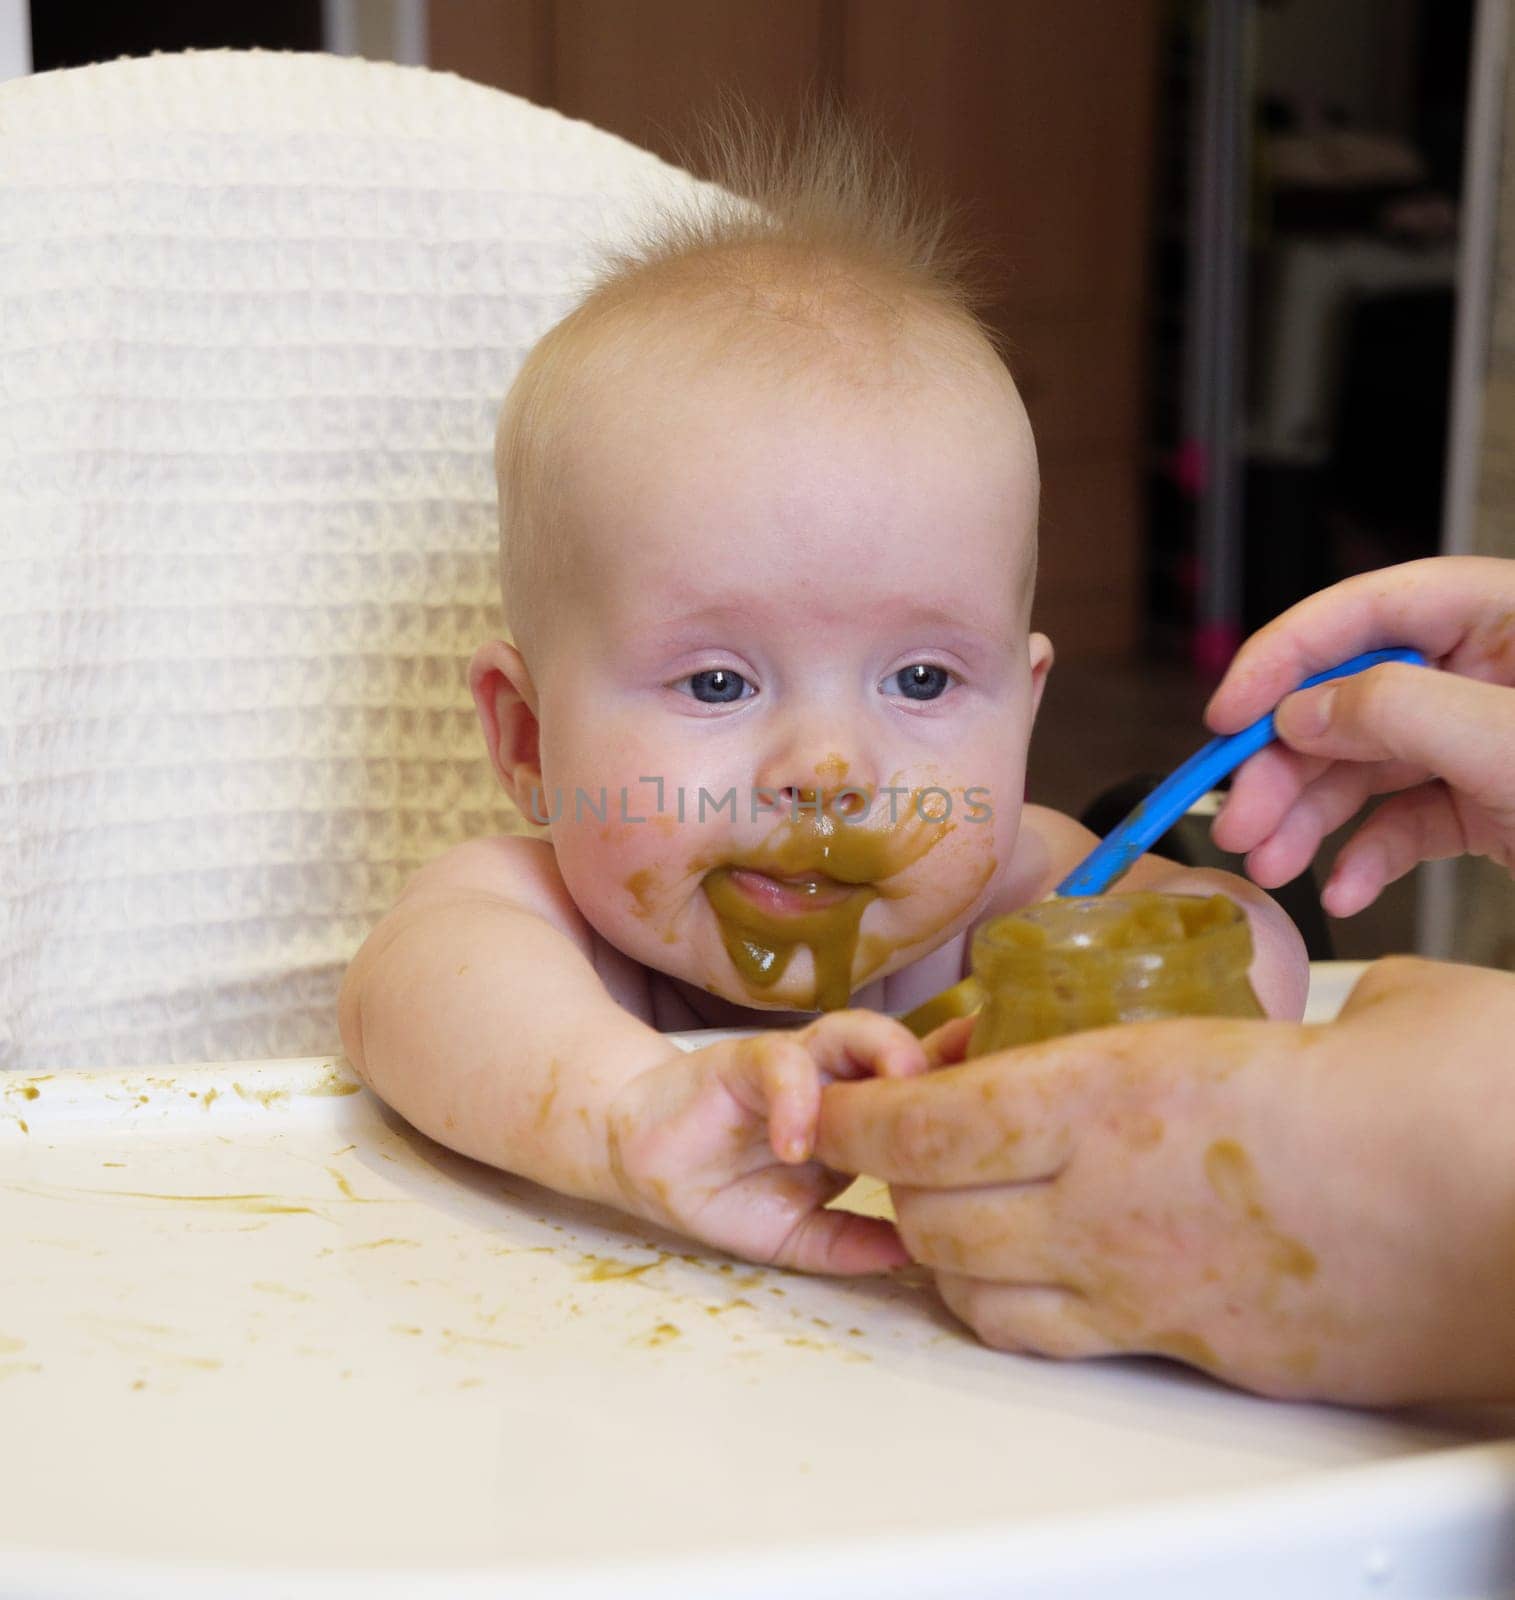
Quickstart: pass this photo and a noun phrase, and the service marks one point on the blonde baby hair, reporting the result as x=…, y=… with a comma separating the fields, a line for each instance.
x=816, y=247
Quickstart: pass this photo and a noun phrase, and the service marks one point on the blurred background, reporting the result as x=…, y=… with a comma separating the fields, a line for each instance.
x=1244, y=257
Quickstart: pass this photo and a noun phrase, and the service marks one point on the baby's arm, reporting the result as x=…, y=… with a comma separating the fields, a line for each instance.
x=475, y=1010
x=1280, y=967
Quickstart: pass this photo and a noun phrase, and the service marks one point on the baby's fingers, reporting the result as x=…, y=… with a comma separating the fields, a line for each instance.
x=790, y=1084
x=947, y=1045
x=860, y=1044
x=842, y=1244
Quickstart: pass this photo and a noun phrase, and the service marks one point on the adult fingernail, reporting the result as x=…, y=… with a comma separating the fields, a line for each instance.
x=1310, y=715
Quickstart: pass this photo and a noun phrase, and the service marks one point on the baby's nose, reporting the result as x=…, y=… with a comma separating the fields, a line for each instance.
x=831, y=783
x=843, y=800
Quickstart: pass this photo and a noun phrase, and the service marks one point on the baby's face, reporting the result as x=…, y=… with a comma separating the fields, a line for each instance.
x=788, y=688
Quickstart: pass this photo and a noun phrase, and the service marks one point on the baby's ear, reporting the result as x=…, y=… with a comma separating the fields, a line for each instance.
x=1040, y=647
x=506, y=700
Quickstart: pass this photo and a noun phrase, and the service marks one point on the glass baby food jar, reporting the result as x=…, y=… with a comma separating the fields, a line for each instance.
x=1066, y=965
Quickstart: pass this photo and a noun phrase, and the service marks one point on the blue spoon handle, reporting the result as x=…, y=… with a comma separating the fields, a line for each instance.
x=1172, y=798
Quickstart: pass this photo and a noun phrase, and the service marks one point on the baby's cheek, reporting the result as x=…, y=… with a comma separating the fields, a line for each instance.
x=613, y=864
x=963, y=863
x=933, y=899
x=633, y=881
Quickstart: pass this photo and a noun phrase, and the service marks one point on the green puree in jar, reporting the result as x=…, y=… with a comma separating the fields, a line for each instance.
x=1067, y=965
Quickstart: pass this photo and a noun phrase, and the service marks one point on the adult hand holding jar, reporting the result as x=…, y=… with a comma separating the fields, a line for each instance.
x=1321, y=1212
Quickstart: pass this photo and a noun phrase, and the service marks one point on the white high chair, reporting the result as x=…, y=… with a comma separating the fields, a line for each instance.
x=257, y=313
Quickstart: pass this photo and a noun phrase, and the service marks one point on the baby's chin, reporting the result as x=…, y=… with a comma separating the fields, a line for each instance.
x=713, y=973
x=800, y=987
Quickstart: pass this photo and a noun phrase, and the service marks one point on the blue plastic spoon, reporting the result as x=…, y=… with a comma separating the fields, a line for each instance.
x=1171, y=799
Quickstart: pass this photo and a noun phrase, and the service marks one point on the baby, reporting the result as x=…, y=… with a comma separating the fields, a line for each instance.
x=768, y=506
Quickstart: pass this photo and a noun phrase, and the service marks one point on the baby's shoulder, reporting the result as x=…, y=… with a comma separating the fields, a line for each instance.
x=522, y=872
x=1048, y=846
x=1057, y=828
x=499, y=864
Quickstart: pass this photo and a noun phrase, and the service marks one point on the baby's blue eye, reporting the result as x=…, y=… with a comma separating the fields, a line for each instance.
x=717, y=687
x=922, y=682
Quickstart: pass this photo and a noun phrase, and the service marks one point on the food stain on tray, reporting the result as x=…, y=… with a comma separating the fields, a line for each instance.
x=664, y=1333
x=456, y=1341
x=604, y=1269
x=349, y=1193
x=251, y=1204
x=268, y=1098
x=333, y=1081
x=118, y=1331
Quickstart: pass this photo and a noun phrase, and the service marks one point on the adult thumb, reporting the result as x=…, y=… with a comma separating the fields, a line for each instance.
x=1459, y=729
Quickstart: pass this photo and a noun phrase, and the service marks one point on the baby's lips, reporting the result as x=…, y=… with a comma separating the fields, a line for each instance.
x=792, y=892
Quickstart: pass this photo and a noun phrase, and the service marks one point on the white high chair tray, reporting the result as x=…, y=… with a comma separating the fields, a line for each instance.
x=259, y=1337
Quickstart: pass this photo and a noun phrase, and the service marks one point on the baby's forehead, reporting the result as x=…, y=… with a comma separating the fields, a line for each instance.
x=920, y=416
x=681, y=444
x=762, y=545
x=680, y=394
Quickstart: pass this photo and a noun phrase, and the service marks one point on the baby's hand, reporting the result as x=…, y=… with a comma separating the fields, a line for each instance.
x=719, y=1143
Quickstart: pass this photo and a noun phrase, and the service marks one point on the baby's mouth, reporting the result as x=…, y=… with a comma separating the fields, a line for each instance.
x=790, y=894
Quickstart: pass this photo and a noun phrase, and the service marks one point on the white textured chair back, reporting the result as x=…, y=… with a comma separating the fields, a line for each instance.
x=257, y=313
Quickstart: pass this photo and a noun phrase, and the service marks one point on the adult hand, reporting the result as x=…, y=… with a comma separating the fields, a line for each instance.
x=1441, y=743
x=1303, y=1211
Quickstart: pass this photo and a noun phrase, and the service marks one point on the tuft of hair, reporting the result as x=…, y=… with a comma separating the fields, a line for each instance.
x=815, y=228
x=799, y=208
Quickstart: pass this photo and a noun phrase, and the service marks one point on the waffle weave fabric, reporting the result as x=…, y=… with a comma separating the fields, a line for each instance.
x=257, y=313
